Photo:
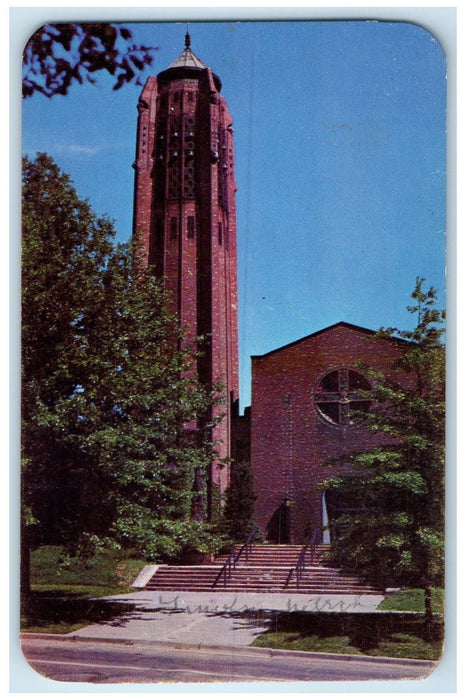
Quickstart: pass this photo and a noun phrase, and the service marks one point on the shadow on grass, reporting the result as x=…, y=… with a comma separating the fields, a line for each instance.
x=403, y=635
x=47, y=609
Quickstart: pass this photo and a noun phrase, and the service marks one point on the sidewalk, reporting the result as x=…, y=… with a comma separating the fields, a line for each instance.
x=205, y=618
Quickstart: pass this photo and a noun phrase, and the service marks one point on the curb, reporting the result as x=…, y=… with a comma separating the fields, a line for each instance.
x=268, y=651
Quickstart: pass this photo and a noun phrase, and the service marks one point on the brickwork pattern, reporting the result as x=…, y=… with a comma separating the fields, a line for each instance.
x=292, y=441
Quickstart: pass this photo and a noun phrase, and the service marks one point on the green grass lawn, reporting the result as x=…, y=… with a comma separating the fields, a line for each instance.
x=410, y=639
x=52, y=566
x=395, y=645
x=64, y=589
x=78, y=591
x=296, y=641
x=412, y=600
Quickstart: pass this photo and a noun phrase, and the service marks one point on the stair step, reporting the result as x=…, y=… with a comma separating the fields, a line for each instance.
x=266, y=569
x=274, y=553
x=307, y=590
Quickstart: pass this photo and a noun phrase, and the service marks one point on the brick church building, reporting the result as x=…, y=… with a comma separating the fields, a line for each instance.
x=307, y=401
x=305, y=395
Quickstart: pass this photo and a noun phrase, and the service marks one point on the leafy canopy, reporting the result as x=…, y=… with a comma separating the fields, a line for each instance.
x=115, y=440
x=240, y=499
x=58, y=55
x=393, y=527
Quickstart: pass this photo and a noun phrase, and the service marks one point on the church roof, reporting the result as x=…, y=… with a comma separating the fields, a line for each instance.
x=343, y=324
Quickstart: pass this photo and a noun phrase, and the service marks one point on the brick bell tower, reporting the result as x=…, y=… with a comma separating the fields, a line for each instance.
x=184, y=211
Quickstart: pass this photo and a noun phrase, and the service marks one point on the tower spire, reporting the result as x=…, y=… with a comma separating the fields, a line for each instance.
x=187, y=38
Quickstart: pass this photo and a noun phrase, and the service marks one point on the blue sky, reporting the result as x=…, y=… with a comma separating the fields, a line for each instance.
x=340, y=165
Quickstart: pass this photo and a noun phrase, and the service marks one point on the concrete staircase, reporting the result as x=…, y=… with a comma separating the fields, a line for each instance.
x=266, y=568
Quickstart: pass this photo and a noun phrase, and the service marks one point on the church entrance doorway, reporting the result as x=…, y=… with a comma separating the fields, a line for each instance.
x=279, y=525
x=336, y=504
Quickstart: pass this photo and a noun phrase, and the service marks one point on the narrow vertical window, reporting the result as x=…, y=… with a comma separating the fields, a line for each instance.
x=158, y=231
x=173, y=227
x=163, y=103
x=156, y=242
x=191, y=227
x=220, y=233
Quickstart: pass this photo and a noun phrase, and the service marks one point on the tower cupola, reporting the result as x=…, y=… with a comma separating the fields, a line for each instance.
x=187, y=65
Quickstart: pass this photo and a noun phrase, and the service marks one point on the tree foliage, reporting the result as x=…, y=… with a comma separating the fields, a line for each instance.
x=240, y=499
x=58, y=55
x=114, y=436
x=393, y=529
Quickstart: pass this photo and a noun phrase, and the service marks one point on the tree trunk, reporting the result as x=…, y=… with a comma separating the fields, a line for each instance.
x=25, y=568
x=428, y=604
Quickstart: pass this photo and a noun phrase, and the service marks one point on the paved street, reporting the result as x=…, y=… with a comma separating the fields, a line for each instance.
x=118, y=662
x=203, y=637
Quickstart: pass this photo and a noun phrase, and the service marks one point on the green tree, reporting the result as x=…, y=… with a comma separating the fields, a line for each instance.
x=58, y=55
x=113, y=432
x=240, y=499
x=395, y=532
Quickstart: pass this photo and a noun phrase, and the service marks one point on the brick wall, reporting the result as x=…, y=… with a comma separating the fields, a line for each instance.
x=291, y=438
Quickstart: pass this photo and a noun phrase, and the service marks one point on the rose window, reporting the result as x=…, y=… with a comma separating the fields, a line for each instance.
x=341, y=397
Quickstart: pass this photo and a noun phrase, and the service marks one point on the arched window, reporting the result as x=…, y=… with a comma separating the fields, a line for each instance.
x=341, y=396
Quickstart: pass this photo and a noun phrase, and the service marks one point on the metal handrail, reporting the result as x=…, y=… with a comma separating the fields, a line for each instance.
x=300, y=566
x=247, y=546
x=226, y=569
x=233, y=558
x=313, y=543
